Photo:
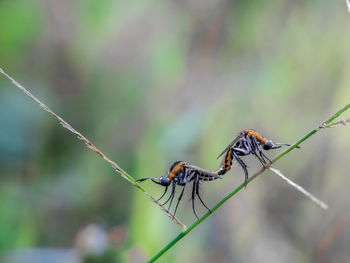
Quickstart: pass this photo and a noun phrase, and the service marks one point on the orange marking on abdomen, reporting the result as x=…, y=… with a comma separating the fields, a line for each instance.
x=227, y=163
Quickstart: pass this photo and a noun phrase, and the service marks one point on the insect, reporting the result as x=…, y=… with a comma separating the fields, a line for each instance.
x=247, y=142
x=182, y=173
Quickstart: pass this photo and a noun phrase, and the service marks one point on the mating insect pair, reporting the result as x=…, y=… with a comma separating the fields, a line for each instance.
x=182, y=173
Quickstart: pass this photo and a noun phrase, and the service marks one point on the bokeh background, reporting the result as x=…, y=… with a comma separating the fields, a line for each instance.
x=152, y=82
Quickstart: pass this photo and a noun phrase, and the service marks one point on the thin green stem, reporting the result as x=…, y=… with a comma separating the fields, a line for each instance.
x=235, y=191
x=200, y=220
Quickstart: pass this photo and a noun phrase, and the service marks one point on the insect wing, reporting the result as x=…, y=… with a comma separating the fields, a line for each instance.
x=230, y=145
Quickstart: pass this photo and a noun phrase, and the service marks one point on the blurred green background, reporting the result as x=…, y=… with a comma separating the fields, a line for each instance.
x=152, y=82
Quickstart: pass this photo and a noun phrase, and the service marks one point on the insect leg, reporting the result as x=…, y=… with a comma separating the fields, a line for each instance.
x=263, y=155
x=260, y=151
x=178, y=200
x=172, y=194
x=197, y=192
x=244, y=167
x=255, y=148
x=243, y=148
x=193, y=196
x=241, y=151
x=166, y=189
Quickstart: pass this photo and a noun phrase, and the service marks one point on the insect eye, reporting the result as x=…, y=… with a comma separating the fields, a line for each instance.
x=164, y=181
x=268, y=145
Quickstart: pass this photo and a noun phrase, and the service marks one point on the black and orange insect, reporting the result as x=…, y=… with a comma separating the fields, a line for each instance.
x=247, y=142
x=182, y=173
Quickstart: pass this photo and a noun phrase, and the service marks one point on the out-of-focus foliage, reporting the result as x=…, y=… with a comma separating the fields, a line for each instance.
x=151, y=82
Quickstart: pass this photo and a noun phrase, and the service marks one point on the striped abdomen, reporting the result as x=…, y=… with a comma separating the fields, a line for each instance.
x=227, y=162
x=207, y=175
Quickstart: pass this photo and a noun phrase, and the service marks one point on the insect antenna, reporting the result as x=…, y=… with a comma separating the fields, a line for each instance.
x=154, y=180
x=144, y=179
x=279, y=145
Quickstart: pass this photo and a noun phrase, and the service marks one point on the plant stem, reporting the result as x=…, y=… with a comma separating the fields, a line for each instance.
x=235, y=191
x=91, y=146
x=323, y=125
